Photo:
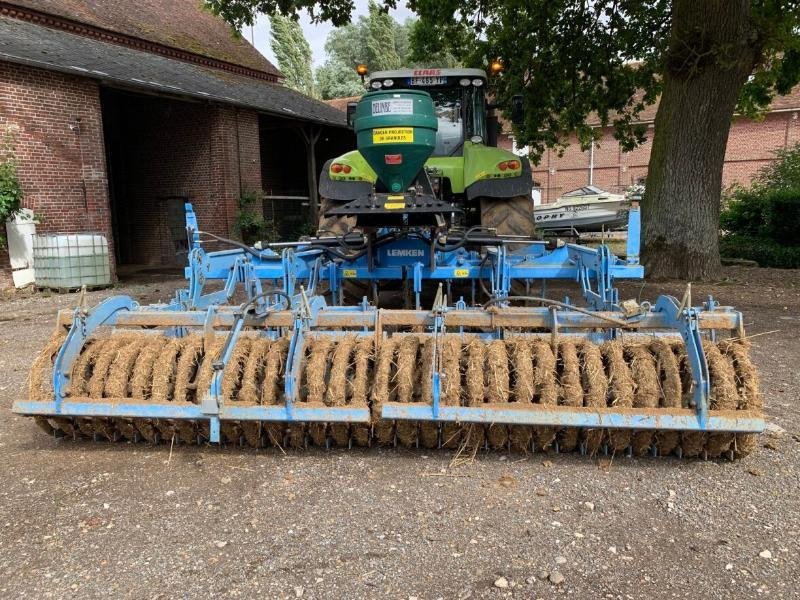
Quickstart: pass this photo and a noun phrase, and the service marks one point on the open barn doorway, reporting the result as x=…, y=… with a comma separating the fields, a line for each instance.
x=158, y=154
x=292, y=156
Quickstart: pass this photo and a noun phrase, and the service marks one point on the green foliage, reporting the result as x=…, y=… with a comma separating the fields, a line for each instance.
x=571, y=61
x=242, y=12
x=250, y=223
x=765, y=252
x=762, y=223
x=426, y=51
x=375, y=39
x=293, y=53
x=10, y=188
x=338, y=80
x=380, y=41
x=574, y=60
x=772, y=214
x=782, y=173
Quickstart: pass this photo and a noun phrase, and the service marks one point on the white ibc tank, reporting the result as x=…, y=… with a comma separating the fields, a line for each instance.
x=19, y=233
x=69, y=261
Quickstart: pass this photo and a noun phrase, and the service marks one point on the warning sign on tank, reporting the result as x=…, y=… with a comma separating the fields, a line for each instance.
x=393, y=135
x=393, y=106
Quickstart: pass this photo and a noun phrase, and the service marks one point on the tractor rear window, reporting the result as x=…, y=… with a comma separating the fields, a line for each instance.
x=447, y=104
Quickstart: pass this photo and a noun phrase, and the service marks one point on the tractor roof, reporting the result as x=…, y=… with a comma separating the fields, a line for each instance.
x=407, y=73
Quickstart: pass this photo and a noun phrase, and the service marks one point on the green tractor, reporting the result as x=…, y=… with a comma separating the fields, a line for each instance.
x=452, y=176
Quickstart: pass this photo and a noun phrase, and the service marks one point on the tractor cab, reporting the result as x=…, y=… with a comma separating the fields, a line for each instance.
x=426, y=134
x=458, y=97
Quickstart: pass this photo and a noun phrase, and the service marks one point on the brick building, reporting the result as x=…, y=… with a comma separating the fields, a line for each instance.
x=751, y=145
x=118, y=111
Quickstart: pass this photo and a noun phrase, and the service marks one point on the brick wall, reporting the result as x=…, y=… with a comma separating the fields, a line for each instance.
x=166, y=148
x=55, y=121
x=751, y=145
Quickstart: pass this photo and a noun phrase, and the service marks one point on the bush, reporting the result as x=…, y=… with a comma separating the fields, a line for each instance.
x=782, y=173
x=10, y=188
x=250, y=225
x=766, y=252
x=773, y=214
x=763, y=223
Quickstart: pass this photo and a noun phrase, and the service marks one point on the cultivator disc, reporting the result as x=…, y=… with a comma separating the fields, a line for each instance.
x=513, y=378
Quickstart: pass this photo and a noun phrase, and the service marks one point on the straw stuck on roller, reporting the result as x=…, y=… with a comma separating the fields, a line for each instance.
x=522, y=373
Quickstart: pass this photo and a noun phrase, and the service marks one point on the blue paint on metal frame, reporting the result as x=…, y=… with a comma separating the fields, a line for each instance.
x=192, y=229
x=175, y=410
x=291, y=390
x=410, y=259
x=83, y=325
x=634, y=236
x=686, y=322
x=405, y=252
x=684, y=420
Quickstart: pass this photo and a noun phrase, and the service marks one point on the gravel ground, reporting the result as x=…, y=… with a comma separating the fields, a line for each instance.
x=122, y=520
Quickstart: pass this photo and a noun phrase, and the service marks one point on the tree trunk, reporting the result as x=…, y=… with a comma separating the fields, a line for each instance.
x=712, y=51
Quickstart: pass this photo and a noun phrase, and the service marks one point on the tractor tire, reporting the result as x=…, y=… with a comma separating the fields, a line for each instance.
x=353, y=291
x=335, y=225
x=509, y=216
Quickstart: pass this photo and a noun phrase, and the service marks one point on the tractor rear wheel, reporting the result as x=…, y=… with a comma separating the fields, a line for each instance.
x=509, y=216
x=334, y=224
x=353, y=291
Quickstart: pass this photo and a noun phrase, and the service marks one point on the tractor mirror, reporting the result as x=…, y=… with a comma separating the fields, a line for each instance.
x=517, y=109
x=351, y=113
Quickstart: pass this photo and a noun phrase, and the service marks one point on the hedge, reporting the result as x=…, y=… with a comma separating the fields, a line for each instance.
x=764, y=251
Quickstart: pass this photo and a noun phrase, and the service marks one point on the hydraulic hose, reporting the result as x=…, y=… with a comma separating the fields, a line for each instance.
x=495, y=300
x=242, y=246
x=246, y=306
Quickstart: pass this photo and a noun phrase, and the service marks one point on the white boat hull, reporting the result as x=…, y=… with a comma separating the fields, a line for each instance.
x=584, y=216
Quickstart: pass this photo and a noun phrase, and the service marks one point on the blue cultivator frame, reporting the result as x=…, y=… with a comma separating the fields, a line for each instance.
x=280, y=296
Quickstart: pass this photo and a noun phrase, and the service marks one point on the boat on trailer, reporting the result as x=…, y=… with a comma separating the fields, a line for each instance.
x=585, y=209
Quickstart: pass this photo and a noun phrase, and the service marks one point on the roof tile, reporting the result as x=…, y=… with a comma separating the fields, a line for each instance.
x=181, y=24
x=27, y=43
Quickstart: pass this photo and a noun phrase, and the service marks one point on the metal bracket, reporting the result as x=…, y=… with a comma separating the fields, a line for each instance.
x=212, y=403
x=83, y=324
x=438, y=311
x=291, y=391
x=686, y=322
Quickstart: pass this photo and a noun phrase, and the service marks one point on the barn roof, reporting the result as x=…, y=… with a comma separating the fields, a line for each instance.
x=341, y=103
x=180, y=24
x=113, y=65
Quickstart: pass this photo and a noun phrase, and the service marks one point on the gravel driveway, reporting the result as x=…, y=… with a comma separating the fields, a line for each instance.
x=79, y=519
